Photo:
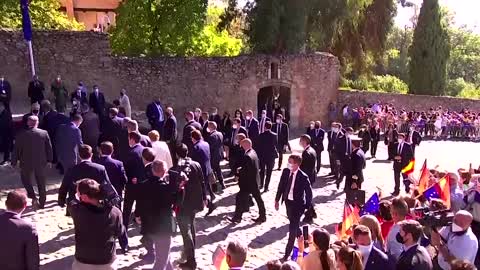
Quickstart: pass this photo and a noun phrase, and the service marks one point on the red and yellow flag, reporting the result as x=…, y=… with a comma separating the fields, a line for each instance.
x=409, y=168
x=351, y=217
x=424, y=178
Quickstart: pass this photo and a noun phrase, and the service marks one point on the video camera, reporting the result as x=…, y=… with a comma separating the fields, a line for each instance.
x=434, y=219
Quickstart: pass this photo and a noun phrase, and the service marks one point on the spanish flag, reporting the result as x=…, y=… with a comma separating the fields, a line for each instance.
x=219, y=259
x=440, y=190
x=424, y=177
x=351, y=217
x=409, y=168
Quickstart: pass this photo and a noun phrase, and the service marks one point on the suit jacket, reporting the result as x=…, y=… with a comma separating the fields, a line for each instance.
x=90, y=128
x=170, y=130
x=85, y=169
x=394, y=138
x=406, y=155
x=416, y=258
x=366, y=138
x=317, y=137
x=52, y=120
x=194, y=190
x=249, y=176
x=215, y=141
x=309, y=158
x=97, y=103
x=282, y=133
x=82, y=97
x=186, y=136
x=261, y=124
x=217, y=119
x=302, y=191
x=115, y=171
x=33, y=149
x=252, y=129
x=145, y=141
x=375, y=134
x=201, y=154
x=6, y=128
x=19, y=249
x=36, y=90
x=267, y=146
x=234, y=133
x=225, y=127
x=112, y=130
x=332, y=139
x=134, y=167
x=154, y=115
x=414, y=138
x=377, y=260
x=358, y=163
x=68, y=138
x=340, y=146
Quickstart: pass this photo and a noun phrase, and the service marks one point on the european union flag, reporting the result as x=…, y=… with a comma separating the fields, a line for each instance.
x=372, y=206
x=432, y=193
x=26, y=22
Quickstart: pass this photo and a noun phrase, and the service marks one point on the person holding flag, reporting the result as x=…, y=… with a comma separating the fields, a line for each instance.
x=402, y=158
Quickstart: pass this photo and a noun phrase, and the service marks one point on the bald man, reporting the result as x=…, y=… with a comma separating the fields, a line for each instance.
x=249, y=182
x=457, y=241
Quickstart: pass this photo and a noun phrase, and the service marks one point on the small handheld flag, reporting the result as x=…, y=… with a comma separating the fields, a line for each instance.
x=409, y=168
x=350, y=217
x=372, y=206
x=440, y=190
x=424, y=177
x=219, y=259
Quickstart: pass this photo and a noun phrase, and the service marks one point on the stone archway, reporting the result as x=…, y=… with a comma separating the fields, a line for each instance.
x=275, y=98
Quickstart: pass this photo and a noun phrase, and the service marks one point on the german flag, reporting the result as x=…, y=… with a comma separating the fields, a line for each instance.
x=409, y=168
x=351, y=217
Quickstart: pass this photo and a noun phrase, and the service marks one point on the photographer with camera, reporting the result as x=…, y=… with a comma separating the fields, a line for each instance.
x=96, y=227
x=456, y=241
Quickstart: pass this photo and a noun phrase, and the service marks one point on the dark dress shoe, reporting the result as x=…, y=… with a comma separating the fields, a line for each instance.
x=211, y=208
x=188, y=265
x=395, y=193
x=125, y=250
x=235, y=220
x=223, y=186
x=285, y=259
x=260, y=220
x=148, y=257
x=308, y=220
x=265, y=190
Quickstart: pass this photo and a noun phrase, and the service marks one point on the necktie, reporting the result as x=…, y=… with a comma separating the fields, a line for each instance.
x=278, y=130
x=262, y=125
x=316, y=132
x=289, y=186
x=400, y=146
x=348, y=147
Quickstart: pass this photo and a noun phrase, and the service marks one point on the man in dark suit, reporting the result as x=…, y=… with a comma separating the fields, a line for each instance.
x=343, y=150
x=112, y=130
x=33, y=150
x=414, y=256
x=35, y=111
x=317, y=134
x=333, y=135
x=194, y=201
x=201, y=154
x=132, y=126
x=19, y=249
x=234, y=144
x=90, y=127
x=51, y=121
x=366, y=137
x=97, y=101
x=78, y=97
x=375, y=135
x=204, y=122
x=403, y=154
x=413, y=138
x=135, y=170
x=251, y=125
x=295, y=190
x=5, y=92
x=357, y=164
x=262, y=120
x=215, y=141
x=115, y=170
x=190, y=125
x=67, y=140
x=267, y=153
x=248, y=181
x=309, y=157
x=215, y=117
x=282, y=131
x=155, y=115
x=373, y=258
x=170, y=133
x=36, y=90
x=6, y=133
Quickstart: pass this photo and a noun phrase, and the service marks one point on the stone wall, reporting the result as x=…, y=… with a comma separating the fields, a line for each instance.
x=184, y=83
x=356, y=98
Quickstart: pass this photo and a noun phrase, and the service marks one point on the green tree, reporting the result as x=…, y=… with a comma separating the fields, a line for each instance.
x=429, y=52
x=45, y=15
x=396, y=54
x=154, y=27
x=465, y=56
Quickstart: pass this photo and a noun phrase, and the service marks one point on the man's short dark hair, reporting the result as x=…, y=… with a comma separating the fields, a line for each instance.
x=196, y=135
x=85, y=151
x=268, y=125
x=237, y=120
x=237, y=253
x=361, y=230
x=349, y=129
x=148, y=154
x=113, y=111
x=77, y=118
x=400, y=206
x=182, y=151
x=462, y=265
x=135, y=136
x=306, y=138
x=413, y=227
x=401, y=134
x=90, y=188
x=106, y=148
x=296, y=158
x=16, y=201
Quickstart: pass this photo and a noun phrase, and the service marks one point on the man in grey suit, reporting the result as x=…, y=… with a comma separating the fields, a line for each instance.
x=19, y=249
x=90, y=128
x=68, y=139
x=33, y=150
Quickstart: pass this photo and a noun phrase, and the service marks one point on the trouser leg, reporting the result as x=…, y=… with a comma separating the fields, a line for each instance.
x=127, y=207
x=41, y=185
x=293, y=228
x=218, y=172
x=26, y=175
x=263, y=165
x=187, y=229
x=319, y=159
x=269, y=165
x=162, y=245
x=396, y=175
x=261, y=206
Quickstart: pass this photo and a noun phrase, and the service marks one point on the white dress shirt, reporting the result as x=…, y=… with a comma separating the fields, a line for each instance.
x=162, y=152
x=290, y=192
x=462, y=247
x=394, y=248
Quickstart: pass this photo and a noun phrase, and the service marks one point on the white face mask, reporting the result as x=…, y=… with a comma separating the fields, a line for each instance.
x=209, y=130
x=235, y=126
x=248, y=117
x=279, y=121
x=400, y=140
x=264, y=115
x=364, y=250
x=335, y=129
x=456, y=228
x=289, y=166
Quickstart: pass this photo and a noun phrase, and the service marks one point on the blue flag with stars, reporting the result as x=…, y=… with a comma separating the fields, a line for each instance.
x=372, y=206
x=432, y=192
x=26, y=22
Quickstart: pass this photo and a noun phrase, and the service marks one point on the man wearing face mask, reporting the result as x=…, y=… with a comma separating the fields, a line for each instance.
x=343, y=149
x=295, y=190
x=413, y=138
x=6, y=133
x=283, y=135
x=456, y=242
x=155, y=115
x=403, y=156
x=67, y=141
x=333, y=135
x=372, y=257
x=309, y=158
x=60, y=93
x=413, y=255
x=204, y=124
x=97, y=101
x=251, y=124
x=190, y=124
x=36, y=90
x=215, y=117
x=366, y=137
x=5, y=92
x=317, y=134
x=215, y=141
x=35, y=111
x=235, y=149
x=262, y=121
x=198, y=115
